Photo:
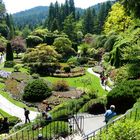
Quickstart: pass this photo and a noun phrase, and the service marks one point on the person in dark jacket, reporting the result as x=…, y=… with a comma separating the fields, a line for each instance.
x=26, y=113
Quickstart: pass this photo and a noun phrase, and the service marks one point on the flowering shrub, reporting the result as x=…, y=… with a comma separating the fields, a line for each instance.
x=4, y=74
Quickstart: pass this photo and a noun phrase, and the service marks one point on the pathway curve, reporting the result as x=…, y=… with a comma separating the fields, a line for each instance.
x=14, y=110
x=98, y=75
x=11, y=108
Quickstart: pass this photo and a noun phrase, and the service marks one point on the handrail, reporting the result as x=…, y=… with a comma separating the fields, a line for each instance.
x=93, y=133
x=78, y=124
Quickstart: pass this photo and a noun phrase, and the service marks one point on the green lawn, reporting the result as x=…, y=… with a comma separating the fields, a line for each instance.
x=82, y=82
x=4, y=114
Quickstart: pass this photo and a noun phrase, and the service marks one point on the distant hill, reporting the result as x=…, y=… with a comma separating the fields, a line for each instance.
x=37, y=15
x=32, y=17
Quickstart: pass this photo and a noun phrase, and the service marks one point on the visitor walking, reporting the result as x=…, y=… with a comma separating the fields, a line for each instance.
x=26, y=113
x=110, y=113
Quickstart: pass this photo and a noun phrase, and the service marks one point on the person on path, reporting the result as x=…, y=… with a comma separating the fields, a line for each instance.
x=110, y=113
x=26, y=113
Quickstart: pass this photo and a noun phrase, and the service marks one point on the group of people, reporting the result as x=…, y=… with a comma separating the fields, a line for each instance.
x=4, y=125
x=103, y=79
x=45, y=114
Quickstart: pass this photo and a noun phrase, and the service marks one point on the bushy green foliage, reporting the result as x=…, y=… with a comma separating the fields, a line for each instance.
x=17, y=67
x=125, y=130
x=117, y=21
x=4, y=30
x=124, y=95
x=61, y=85
x=42, y=60
x=73, y=61
x=121, y=74
x=33, y=41
x=64, y=47
x=110, y=42
x=3, y=41
x=94, y=106
x=36, y=90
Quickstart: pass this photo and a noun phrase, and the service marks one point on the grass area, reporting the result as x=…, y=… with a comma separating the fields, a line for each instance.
x=4, y=114
x=87, y=81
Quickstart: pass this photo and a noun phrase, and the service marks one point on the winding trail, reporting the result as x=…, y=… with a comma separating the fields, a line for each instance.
x=14, y=110
x=90, y=123
x=98, y=75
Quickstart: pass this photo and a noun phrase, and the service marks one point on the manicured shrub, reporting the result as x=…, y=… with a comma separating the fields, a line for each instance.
x=94, y=106
x=124, y=95
x=36, y=90
x=61, y=85
x=33, y=41
x=9, y=52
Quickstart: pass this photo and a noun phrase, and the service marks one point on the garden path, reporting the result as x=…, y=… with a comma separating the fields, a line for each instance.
x=14, y=110
x=98, y=75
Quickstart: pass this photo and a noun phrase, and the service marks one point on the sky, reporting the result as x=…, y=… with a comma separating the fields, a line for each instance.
x=13, y=6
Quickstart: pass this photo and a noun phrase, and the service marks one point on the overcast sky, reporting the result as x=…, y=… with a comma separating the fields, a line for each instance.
x=14, y=6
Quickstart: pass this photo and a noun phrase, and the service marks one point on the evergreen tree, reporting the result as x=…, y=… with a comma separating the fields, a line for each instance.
x=66, y=8
x=55, y=25
x=132, y=6
x=72, y=8
x=88, y=21
x=69, y=27
x=56, y=10
x=51, y=15
x=102, y=14
x=9, y=52
x=2, y=10
x=10, y=24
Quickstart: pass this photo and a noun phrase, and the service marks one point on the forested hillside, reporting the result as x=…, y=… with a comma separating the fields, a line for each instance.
x=39, y=15
x=32, y=17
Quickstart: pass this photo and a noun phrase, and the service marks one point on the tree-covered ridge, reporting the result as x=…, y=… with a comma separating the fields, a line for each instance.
x=32, y=17
x=53, y=16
